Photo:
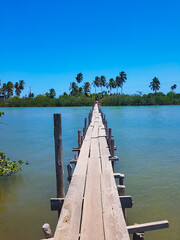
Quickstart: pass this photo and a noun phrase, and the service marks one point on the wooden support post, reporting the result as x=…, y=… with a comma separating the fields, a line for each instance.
x=112, y=147
x=85, y=123
x=109, y=138
x=70, y=172
x=82, y=138
x=47, y=230
x=105, y=126
x=89, y=119
x=122, y=192
x=120, y=176
x=79, y=139
x=138, y=236
x=112, y=152
x=58, y=156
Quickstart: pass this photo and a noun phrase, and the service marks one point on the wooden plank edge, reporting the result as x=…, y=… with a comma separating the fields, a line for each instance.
x=147, y=226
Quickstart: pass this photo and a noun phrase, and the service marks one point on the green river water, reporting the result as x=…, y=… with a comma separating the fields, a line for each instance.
x=148, y=145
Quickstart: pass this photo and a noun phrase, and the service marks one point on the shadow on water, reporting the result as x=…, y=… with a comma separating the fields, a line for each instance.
x=8, y=190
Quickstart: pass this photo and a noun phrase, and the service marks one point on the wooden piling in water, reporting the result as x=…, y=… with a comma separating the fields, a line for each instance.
x=109, y=137
x=47, y=230
x=70, y=172
x=58, y=156
x=79, y=139
x=138, y=236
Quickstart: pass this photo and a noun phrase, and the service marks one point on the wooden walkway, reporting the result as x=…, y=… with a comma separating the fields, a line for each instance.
x=92, y=209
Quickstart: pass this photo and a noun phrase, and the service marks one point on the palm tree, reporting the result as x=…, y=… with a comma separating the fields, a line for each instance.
x=173, y=87
x=79, y=77
x=17, y=89
x=19, y=86
x=21, y=83
x=10, y=88
x=123, y=77
x=73, y=88
x=86, y=88
x=96, y=82
x=118, y=83
x=155, y=84
x=111, y=84
x=102, y=82
x=52, y=93
x=4, y=90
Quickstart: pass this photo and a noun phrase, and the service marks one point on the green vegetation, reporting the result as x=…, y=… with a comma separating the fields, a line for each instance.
x=7, y=167
x=82, y=96
x=137, y=100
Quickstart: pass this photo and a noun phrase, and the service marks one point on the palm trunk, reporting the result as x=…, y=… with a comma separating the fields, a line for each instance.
x=121, y=90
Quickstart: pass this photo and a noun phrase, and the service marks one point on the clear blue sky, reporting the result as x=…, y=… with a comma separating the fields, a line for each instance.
x=46, y=43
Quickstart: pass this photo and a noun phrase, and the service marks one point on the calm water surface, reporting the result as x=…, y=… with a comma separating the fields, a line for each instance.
x=148, y=144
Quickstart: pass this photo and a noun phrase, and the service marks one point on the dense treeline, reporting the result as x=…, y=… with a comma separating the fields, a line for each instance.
x=106, y=100
x=80, y=95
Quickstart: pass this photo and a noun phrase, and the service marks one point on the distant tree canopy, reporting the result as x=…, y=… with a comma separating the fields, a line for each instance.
x=81, y=94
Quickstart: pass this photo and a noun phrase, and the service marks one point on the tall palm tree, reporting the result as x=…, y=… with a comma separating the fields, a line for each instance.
x=155, y=84
x=102, y=82
x=96, y=83
x=79, y=77
x=73, y=88
x=19, y=86
x=118, y=83
x=123, y=77
x=17, y=89
x=4, y=90
x=173, y=87
x=10, y=88
x=86, y=88
x=52, y=93
x=111, y=84
x=21, y=83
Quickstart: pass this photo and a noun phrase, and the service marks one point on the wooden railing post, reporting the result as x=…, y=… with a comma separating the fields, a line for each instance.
x=58, y=156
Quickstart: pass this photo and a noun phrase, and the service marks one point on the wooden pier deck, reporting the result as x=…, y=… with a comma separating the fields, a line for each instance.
x=92, y=209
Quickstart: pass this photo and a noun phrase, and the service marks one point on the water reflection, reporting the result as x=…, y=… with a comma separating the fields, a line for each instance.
x=8, y=190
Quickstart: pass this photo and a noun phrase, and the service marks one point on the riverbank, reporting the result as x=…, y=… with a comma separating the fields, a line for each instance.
x=160, y=98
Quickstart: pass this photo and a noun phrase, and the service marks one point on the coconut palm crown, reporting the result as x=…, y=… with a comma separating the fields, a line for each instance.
x=155, y=84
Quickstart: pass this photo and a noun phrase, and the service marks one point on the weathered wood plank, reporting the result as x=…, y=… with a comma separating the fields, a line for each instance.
x=95, y=133
x=92, y=223
x=147, y=226
x=69, y=220
x=114, y=223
